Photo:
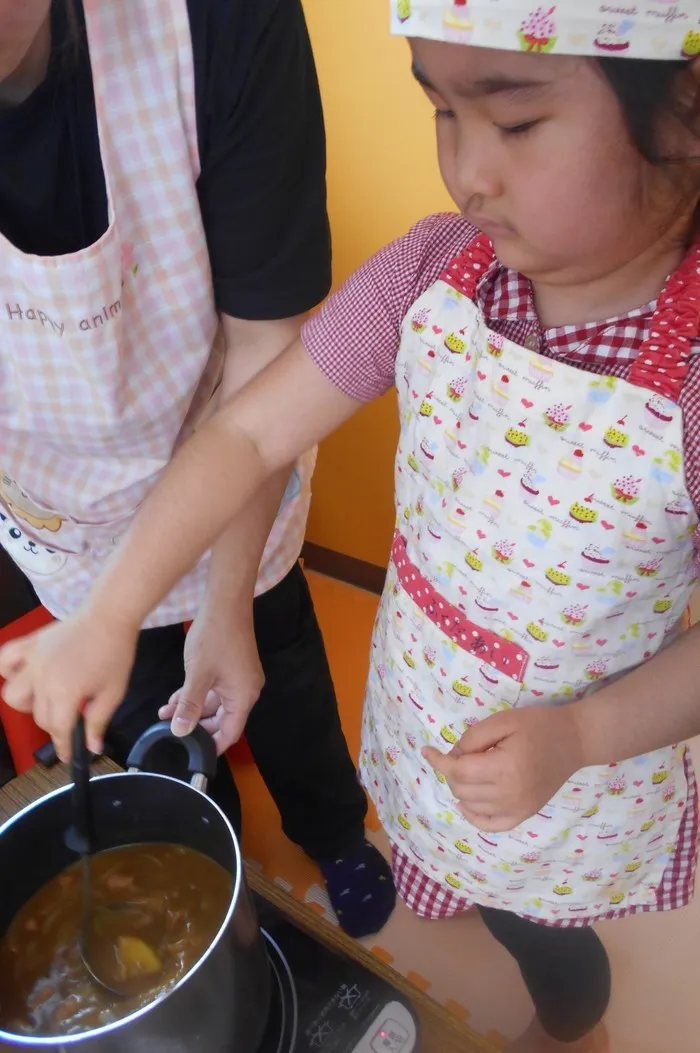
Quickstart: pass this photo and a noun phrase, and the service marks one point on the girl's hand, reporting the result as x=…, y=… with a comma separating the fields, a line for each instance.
x=507, y=768
x=84, y=661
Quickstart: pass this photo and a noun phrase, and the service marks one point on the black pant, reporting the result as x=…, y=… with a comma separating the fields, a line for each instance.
x=294, y=730
x=566, y=971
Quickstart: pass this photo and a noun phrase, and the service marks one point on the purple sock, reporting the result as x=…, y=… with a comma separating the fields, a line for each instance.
x=361, y=890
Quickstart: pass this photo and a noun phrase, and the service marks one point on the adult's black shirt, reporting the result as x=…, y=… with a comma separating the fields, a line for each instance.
x=262, y=148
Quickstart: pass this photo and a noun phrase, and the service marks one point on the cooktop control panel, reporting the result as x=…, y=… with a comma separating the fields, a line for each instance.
x=335, y=1003
x=393, y=1031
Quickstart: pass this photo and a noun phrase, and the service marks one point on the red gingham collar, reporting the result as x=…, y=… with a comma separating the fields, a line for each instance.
x=506, y=296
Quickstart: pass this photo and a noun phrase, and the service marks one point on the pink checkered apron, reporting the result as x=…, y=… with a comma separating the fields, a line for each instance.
x=544, y=546
x=109, y=356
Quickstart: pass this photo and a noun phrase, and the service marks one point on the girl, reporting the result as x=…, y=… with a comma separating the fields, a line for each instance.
x=543, y=343
x=150, y=154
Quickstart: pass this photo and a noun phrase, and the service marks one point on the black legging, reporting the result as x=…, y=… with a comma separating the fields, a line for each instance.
x=566, y=971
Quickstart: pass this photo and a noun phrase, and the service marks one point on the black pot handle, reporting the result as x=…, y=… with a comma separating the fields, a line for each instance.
x=201, y=752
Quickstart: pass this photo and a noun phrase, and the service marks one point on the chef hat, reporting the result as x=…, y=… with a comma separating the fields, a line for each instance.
x=652, y=29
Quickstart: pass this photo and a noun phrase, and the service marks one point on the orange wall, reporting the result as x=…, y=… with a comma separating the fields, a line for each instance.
x=382, y=177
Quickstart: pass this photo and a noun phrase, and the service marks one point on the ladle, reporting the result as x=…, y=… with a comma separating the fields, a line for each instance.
x=97, y=950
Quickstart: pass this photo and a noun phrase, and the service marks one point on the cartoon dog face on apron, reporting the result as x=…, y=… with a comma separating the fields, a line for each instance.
x=543, y=546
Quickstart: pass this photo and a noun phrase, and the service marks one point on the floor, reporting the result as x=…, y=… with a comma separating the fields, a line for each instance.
x=655, y=1008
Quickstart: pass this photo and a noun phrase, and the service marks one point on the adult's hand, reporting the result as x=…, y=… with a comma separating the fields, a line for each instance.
x=223, y=679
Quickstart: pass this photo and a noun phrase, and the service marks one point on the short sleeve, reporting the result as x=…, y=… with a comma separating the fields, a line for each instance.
x=262, y=187
x=354, y=338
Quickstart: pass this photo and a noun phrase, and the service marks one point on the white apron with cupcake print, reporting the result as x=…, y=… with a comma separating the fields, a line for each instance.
x=543, y=546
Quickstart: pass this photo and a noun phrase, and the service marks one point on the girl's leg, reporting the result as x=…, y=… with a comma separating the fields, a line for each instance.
x=567, y=973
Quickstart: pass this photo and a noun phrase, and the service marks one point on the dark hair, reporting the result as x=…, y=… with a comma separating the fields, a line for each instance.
x=647, y=89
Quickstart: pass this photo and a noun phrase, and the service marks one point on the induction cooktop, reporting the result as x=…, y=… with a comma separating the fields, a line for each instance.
x=324, y=1002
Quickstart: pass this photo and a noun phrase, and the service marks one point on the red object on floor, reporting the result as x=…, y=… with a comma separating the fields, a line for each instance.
x=24, y=738
x=240, y=753
x=22, y=734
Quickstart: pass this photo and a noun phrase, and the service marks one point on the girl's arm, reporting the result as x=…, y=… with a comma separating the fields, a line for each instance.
x=282, y=412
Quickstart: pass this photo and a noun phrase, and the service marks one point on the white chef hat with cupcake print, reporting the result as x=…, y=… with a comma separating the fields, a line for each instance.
x=655, y=29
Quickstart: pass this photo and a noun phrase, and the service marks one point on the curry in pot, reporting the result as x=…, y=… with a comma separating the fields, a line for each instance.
x=172, y=901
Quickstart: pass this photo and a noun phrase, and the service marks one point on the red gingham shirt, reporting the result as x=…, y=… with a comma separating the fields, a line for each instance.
x=354, y=340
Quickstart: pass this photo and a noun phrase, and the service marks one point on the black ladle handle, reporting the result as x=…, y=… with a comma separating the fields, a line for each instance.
x=199, y=745
x=47, y=757
x=80, y=836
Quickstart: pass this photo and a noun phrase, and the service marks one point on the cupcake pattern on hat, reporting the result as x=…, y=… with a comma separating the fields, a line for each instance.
x=614, y=38
x=657, y=30
x=538, y=32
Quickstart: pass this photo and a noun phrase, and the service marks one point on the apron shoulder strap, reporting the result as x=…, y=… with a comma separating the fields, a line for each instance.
x=466, y=270
x=663, y=359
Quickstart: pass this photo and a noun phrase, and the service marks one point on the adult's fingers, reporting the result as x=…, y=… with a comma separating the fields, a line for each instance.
x=166, y=712
x=212, y=724
x=189, y=705
x=209, y=709
x=231, y=727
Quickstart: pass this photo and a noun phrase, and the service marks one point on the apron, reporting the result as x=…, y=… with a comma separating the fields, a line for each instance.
x=109, y=356
x=543, y=547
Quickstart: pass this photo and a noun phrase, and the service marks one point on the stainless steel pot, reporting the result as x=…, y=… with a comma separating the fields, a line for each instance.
x=222, y=1004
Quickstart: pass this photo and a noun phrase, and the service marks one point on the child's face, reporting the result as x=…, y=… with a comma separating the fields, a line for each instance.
x=534, y=149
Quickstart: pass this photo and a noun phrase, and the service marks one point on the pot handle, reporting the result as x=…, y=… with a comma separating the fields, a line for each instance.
x=201, y=752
